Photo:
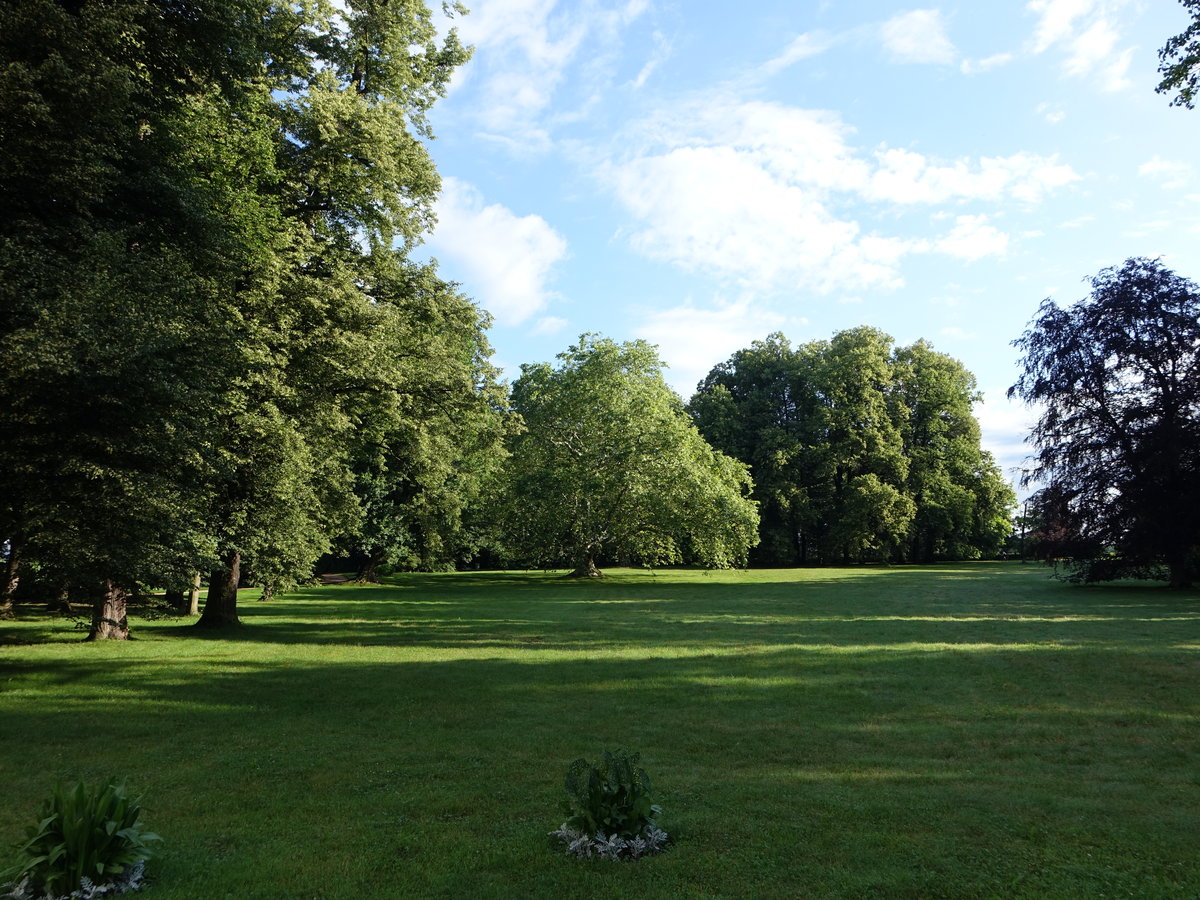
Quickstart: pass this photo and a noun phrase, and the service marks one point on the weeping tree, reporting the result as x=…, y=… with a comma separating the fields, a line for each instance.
x=609, y=464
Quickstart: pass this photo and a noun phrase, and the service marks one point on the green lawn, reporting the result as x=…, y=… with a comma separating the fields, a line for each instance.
x=971, y=730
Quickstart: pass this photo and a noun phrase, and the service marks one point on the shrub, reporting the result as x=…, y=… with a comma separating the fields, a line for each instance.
x=611, y=813
x=87, y=843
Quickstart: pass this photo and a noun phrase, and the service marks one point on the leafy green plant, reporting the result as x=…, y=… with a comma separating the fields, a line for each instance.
x=610, y=799
x=84, y=837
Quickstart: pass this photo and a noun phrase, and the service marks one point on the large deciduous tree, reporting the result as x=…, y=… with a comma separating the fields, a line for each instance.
x=435, y=438
x=608, y=463
x=857, y=451
x=199, y=198
x=1118, y=442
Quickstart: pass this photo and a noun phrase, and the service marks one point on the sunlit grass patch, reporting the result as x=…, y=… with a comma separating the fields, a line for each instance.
x=946, y=731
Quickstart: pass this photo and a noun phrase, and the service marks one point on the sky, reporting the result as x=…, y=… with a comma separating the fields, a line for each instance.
x=700, y=175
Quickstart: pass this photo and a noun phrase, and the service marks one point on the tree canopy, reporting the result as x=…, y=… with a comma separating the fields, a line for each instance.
x=858, y=450
x=1117, y=375
x=208, y=208
x=609, y=464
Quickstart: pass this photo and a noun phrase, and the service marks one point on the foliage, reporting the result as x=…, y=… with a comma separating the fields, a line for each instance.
x=609, y=463
x=200, y=205
x=1118, y=442
x=428, y=446
x=857, y=450
x=85, y=837
x=1179, y=61
x=578, y=843
x=611, y=799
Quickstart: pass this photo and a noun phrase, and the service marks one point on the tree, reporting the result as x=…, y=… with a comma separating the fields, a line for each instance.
x=759, y=406
x=608, y=463
x=1179, y=61
x=1118, y=442
x=435, y=438
x=963, y=505
x=104, y=283
x=857, y=451
x=863, y=467
x=198, y=198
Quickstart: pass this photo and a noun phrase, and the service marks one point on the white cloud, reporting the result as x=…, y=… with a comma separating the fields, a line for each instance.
x=549, y=325
x=662, y=50
x=801, y=47
x=1172, y=173
x=523, y=50
x=758, y=193
x=972, y=238
x=1051, y=112
x=975, y=66
x=692, y=340
x=918, y=36
x=1056, y=20
x=1004, y=425
x=508, y=259
x=903, y=176
x=1086, y=31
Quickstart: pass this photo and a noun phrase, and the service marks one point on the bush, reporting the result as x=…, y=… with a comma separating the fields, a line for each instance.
x=611, y=813
x=87, y=843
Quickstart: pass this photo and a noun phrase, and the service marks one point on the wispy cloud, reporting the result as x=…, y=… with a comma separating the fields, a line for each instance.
x=526, y=51
x=995, y=61
x=1087, y=33
x=918, y=36
x=801, y=47
x=1173, y=174
x=509, y=259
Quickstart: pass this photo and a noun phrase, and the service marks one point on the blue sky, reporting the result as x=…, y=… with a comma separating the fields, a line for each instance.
x=701, y=175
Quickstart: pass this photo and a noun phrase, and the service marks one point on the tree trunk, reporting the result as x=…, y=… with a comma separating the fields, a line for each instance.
x=109, y=622
x=193, y=599
x=12, y=577
x=61, y=602
x=268, y=592
x=368, y=573
x=220, y=609
x=587, y=566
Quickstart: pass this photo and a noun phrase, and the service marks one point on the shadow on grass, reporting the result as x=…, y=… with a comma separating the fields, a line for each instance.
x=982, y=606
x=914, y=736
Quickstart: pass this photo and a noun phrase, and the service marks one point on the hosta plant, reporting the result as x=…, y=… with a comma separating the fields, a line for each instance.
x=87, y=843
x=610, y=811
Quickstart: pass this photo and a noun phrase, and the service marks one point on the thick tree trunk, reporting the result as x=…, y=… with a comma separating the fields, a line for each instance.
x=220, y=609
x=109, y=622
x=586, y=567
x=368, y=573
x=193, y=598
x=12, y=577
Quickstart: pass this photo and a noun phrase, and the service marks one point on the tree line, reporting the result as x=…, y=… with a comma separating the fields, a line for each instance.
x=859, y=451
x=218, y=356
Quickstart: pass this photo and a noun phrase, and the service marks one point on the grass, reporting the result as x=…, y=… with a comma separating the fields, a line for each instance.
x=958, y=731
